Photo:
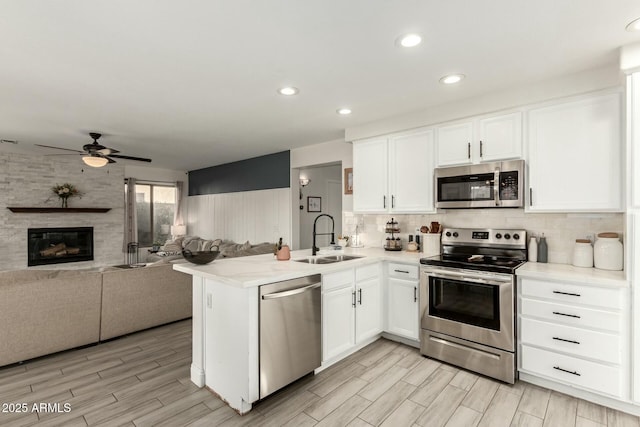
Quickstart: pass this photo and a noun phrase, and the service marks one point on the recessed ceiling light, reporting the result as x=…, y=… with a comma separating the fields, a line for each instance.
x=288, y=91
x=409, y=40
x=634, y=25
x=343, y=111
x=451, y=79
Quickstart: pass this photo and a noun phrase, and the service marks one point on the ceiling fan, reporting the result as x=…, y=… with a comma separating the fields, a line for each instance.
x=97, y=155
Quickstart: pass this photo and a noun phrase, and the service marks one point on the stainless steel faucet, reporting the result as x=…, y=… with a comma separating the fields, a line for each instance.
x=314, y=249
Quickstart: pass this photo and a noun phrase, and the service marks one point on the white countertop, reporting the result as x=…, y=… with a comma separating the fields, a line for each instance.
x=582, y=275
x=246, y=272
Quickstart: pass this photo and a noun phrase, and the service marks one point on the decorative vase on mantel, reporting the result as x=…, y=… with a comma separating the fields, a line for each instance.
x=64, y=202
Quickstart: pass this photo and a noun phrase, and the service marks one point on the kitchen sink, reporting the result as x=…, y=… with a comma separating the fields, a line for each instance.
x=338, y=258
x=327, y=259
x=316, y=260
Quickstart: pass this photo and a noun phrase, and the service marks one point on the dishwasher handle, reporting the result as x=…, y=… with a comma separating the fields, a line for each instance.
x=291, y=292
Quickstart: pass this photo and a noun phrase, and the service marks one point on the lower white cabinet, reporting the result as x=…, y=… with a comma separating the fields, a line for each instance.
x=351, y=309
x=575, y=334
x=402, y=300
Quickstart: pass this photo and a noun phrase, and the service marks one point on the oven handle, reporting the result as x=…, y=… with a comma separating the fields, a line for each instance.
x=496, y=186
x=490, y=280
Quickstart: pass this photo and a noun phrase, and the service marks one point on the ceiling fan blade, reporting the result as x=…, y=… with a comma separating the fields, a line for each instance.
x=59, y=148
x=74, y=154
x=140, y=159
x=110, y=159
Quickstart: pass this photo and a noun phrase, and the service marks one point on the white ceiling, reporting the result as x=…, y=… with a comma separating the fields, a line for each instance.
x=193, y=83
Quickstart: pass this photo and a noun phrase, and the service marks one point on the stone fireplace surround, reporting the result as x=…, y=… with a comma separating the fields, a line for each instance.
x=26, y=180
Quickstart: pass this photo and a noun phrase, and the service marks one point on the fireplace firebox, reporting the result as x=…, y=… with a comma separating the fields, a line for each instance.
x=59, y=245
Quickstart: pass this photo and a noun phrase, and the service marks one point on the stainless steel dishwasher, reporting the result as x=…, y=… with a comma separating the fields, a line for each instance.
x=290, y=331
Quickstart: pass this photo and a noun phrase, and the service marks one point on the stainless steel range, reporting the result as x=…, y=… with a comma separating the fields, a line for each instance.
x=467, y=300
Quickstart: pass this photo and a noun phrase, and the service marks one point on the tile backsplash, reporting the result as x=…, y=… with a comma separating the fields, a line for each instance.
x=560, y=229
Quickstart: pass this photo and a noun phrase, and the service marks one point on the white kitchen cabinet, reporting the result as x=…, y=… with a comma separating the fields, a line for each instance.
x=574, y=155
x=402, y=300
x=351, y=309
x=394, y=174
x=338, y=317
x=370, y=189
x=574, y=335
x=368, y=302
x=482, y=139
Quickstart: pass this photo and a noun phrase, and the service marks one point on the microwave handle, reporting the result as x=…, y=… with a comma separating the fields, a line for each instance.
x=496, y=186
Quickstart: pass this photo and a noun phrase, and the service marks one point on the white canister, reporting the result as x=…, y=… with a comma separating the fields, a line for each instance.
x=607, y=252
x=431, y=244
x=583, y=253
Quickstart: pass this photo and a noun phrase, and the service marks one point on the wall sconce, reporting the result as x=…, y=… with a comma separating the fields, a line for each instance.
x=303, y=183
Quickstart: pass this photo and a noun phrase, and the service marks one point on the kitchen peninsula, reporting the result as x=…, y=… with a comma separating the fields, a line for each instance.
x=226, y=314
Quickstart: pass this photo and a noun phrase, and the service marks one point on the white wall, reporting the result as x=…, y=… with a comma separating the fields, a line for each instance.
x=257, y=216
x=572, y=84
x=26, y=181
x=318, y=154
x=319, y=177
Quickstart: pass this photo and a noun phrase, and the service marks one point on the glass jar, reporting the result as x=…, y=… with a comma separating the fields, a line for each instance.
x=607, y=252
x=583, y=253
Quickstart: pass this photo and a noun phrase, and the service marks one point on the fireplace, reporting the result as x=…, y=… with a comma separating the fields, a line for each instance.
x=58, y=245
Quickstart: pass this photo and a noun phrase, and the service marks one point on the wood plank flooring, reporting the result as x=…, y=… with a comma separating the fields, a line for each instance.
x=143, y=380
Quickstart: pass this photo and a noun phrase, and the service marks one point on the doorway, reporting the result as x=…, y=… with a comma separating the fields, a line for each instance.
x=321, y=195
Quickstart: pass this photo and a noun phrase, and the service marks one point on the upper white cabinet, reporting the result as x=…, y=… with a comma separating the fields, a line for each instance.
x=574, y=155
x=394, y=174
x=481, y=139
x=370, y=189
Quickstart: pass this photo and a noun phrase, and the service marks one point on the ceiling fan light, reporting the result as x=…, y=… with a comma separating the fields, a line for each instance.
x=95, y=161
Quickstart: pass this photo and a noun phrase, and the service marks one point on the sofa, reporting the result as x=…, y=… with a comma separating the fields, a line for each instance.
x=46, y=311
x=172, y=249
x=139, y=298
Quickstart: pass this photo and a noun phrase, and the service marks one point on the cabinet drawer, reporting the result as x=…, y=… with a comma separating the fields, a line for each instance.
x=577, y=341
x=574, y=315
x=367, y=272
x=575, y=294
x=337, y=280
x=403, y=271
x=567, y=369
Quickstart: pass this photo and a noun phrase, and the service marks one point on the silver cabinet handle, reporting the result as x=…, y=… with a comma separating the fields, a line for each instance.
x=401, y=271
x=564, y=340
x=567, y=371
x=566, y=293
x=353, y=299
x=384, y=202
x=564, y=314
x=393, y=201
x=480, y=148
x=291, y=292
x=360, y=296
x=530, y=196
x=468, y=150
x=415, y=294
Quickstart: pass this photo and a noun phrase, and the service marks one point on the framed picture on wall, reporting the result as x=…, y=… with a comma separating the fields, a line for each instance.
x=314, y=204
x=348, y=180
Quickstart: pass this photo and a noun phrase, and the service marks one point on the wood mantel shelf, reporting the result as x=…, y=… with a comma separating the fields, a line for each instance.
x=56, y=210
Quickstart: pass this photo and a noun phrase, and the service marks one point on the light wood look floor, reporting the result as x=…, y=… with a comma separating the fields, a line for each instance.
x=143, y=380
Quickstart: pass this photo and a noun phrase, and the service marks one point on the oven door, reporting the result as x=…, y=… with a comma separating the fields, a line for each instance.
x=472, y=305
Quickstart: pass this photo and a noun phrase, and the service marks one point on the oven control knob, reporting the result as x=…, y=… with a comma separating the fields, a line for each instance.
x=448, y=234
x=507, y=236
x=455, y=234
x=516, y=236
x=498, y=236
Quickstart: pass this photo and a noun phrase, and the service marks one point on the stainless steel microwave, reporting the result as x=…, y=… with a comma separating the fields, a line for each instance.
x=486, y=185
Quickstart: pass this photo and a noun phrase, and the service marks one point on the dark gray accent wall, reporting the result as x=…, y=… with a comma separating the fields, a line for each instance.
x=258, y=173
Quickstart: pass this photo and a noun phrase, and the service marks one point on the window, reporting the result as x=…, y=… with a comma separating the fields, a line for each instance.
x=155, y=208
